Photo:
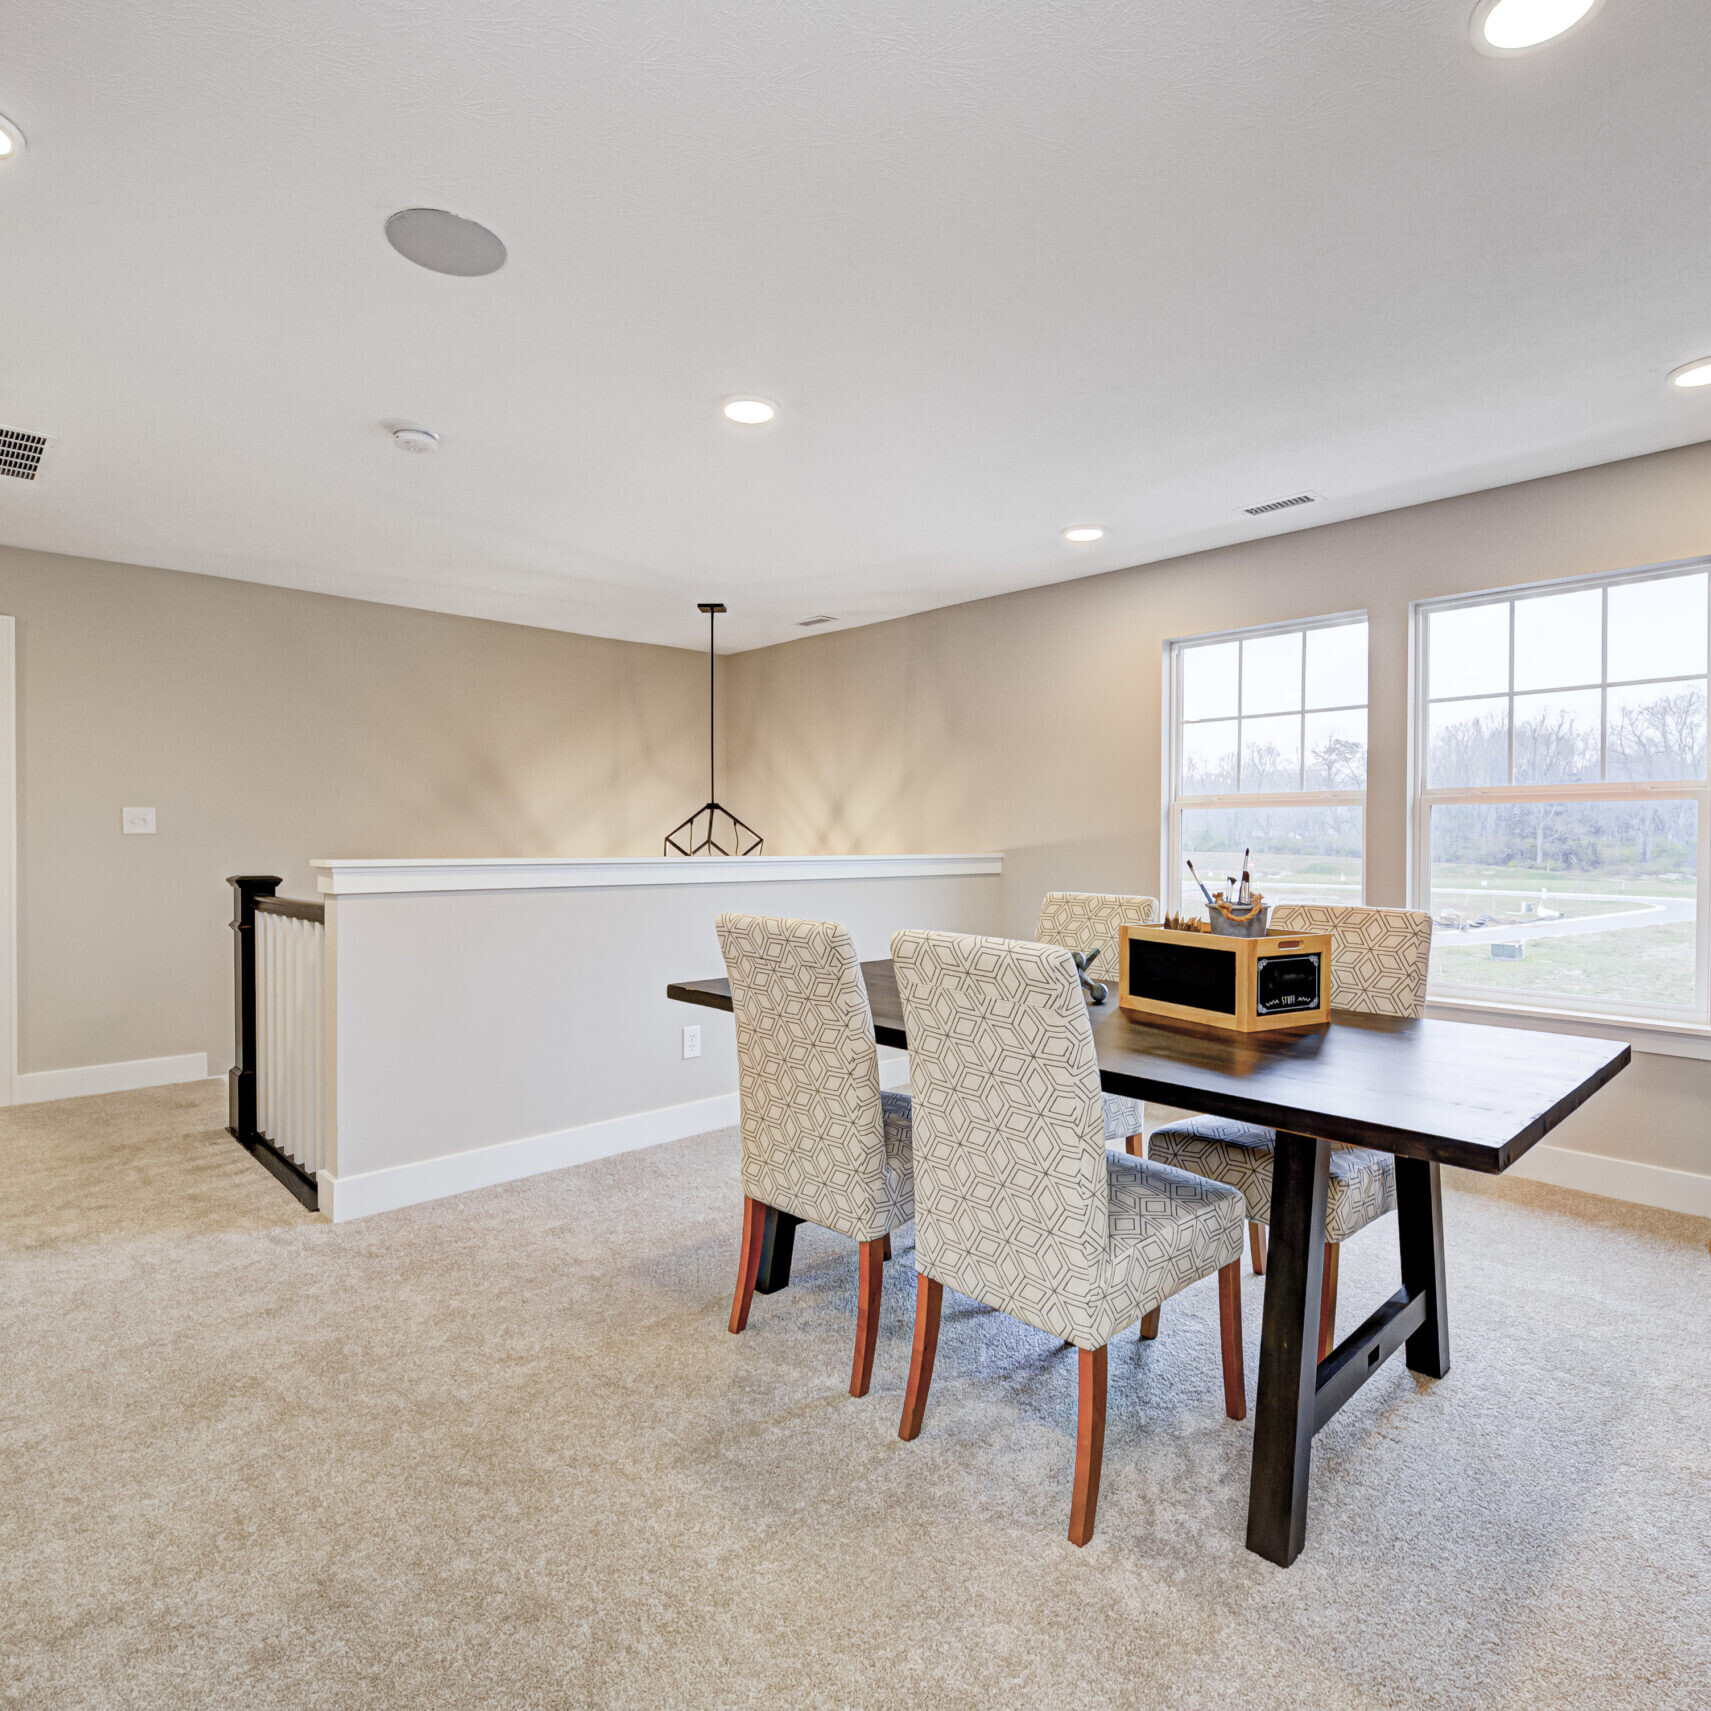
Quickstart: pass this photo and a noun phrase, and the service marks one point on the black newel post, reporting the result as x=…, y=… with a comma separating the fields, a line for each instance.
x=246, y=888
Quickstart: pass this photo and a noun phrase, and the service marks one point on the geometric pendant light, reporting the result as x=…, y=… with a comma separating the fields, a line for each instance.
x=713, y=829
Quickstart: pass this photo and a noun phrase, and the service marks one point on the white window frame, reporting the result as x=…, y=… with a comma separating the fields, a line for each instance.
x=1174, y=801
x=1423, y=799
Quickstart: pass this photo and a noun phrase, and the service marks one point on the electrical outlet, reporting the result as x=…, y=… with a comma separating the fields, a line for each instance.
x=692, y=1040
x=137, y=819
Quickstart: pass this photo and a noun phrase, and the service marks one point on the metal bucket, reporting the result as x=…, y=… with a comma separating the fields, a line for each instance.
x=1227, y=927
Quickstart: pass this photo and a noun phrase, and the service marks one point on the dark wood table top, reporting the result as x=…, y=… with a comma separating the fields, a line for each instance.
x=1458, y=1093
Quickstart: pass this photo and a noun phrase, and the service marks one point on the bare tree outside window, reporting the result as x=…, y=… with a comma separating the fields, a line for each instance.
x=1563, y=805
x=1269, y=745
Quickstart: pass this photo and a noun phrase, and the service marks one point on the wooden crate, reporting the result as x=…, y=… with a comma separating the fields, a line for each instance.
x=1248, y=985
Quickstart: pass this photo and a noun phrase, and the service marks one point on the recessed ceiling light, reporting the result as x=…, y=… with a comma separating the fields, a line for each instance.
x=445, y=243
x=748, y=412
x=1083, y=532
x=11, y=139
x=1505, y=27
x=1695, y=373
x=416, y=439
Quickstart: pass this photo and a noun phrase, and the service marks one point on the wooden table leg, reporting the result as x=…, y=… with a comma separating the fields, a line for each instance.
x=1284, y=1414
x=776, y=1246
x=1420, y=1230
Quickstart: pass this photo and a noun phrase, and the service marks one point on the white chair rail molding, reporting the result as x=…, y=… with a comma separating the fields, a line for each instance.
x=432, y=1026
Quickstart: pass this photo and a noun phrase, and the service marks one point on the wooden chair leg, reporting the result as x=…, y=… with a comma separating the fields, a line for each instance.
x=871, y=1282
x=1256, y=1246
x=1230, y=1333
x=1089, y=1444
x=748, y=1261
x=1328, y=1301
x=885, y=1252
x=1137, y=1145
x=1149, y=1324
x=929, y=1298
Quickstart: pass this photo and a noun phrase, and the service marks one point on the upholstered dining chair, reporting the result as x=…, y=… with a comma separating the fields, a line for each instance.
x=1083, y=921
x=1018, y=1201
x=820, y=1141
x=1379, y=960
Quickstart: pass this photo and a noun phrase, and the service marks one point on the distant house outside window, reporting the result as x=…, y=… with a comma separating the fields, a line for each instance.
x=1560, y=827
x=1268, y=753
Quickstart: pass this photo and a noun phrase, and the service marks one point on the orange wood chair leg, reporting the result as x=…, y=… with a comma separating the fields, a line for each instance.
x=929, y=1298
x=1149, y=1324
x=1328, y=1301
x=871, y=1282
x=1089, y=1444
x=886, y=1251
x=1230, y=1332
x=1256, y=1246
x=748, y=1261
x=1137, y=1145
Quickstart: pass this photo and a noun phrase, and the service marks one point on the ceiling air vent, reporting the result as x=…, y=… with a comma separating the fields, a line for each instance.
x=1288, y=504
x=809, y=623
x=21, y=453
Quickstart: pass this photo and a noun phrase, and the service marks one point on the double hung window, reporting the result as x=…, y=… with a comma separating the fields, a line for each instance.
x=1561, y=831
x=1268, y=753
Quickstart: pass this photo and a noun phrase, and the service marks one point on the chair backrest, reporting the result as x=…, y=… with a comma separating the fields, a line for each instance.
x=1079, y=920
x=1379, y=957
x=1011, y=1195
x=813, y=1133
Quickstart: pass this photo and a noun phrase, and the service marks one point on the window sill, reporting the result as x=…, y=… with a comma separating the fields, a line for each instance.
x=1663, y=1039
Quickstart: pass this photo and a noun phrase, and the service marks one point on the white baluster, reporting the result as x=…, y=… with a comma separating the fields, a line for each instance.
x=264, y=947
x=290, y=955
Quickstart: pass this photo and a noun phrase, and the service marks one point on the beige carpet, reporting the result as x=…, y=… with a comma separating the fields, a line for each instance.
x=500, y=1451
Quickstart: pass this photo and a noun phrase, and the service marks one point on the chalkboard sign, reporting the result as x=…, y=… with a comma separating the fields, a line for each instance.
x=1286, y=984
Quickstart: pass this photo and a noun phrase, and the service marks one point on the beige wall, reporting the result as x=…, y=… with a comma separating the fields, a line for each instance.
x=267, y=727
x=1032, y=723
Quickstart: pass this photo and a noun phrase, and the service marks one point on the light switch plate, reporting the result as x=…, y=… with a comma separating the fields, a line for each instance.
x=692, y=1040
x=138, y=819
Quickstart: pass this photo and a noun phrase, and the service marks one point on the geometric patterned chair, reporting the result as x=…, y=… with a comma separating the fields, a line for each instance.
x=1379, y=960
x=1018, y=1201
x=819, y=1139
x=1083, y=921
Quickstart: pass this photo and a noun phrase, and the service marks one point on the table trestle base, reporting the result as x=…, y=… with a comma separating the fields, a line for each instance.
x=777, y=1246
x=1360, y=1354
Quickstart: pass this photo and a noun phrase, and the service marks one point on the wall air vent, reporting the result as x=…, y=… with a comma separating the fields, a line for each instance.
x=1288, y=504
x=21, y=453
x=809, y=623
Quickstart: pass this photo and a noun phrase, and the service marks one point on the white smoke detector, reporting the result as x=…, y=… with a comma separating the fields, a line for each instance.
x=416, y=439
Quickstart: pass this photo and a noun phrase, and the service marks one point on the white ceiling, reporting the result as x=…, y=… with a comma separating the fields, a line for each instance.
x=1006, y=264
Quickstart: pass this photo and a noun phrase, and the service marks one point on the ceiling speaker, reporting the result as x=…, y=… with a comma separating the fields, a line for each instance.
x=444, y=243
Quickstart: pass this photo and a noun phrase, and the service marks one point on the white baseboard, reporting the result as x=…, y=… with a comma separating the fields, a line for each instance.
x=346, y=1197
x=894, y=1073
x=360, y=1196
x=1618, y=1179
x=44, y=1084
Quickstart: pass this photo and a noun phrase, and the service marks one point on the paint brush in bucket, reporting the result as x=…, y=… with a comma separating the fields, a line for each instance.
x=1196, y=878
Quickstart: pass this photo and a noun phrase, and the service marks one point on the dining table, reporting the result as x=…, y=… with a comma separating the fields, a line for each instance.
x=1431, y=1092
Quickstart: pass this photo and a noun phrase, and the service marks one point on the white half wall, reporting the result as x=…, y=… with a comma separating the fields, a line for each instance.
x=475, y=1036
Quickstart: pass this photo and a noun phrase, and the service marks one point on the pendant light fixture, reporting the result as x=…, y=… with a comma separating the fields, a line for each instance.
x=713, y=830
